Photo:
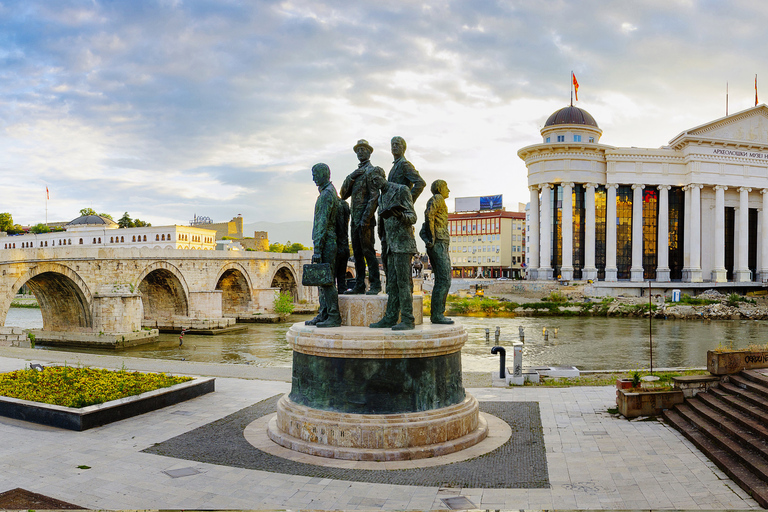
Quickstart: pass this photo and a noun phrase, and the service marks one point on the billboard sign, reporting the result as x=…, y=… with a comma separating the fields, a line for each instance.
x=478, y=203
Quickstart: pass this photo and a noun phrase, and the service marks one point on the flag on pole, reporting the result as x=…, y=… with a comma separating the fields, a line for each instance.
x=755, y=90
x=575, y=86
x=47, y=195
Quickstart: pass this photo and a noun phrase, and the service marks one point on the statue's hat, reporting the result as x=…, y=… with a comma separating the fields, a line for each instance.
x=363, y=143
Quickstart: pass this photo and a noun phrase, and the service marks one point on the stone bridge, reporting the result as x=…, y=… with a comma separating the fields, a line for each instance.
x=87, y=293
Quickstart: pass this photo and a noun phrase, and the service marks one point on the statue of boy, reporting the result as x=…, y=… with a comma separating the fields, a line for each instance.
x=435, y=234
x=365, y=196
x=342, y=245
x=396, y=210
x=324, y=240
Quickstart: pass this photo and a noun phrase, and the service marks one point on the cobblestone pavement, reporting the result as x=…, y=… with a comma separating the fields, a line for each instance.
x=594, y=459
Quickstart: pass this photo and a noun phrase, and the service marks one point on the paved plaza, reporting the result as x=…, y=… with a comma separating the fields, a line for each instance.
x=594, y=460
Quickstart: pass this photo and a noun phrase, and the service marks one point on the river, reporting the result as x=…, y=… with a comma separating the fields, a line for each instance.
x=589, y=343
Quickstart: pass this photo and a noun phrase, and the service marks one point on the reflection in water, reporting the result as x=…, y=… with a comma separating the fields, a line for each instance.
x=595, y=343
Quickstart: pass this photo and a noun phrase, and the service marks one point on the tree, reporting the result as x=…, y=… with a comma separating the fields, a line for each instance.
x=141, y=224
x=294, y=247
x=40, y=228
x=276, y=247
x=87, y=211
x=15, y=230
x=6, y=222
x=125, y=221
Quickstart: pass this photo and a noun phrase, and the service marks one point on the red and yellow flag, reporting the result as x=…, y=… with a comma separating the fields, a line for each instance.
x=576, y=86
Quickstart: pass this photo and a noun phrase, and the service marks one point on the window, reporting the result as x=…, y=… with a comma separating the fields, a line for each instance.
x=561, y=138
x=99, y=239
x=162, y=237
x=81, y=241
x=591, y=139
x=122, y=239
x=577, y=138
x=134, y=238
x=145, y=238
x=111, y=240
x=548, y=139
x=157, y=238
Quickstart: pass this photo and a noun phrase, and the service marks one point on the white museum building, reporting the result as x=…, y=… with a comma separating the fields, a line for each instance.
x=692, y=211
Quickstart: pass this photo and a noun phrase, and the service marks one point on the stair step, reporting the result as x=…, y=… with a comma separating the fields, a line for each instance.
x=757, y=413
x=734, y=468
x=742, y=429
x=754, y=376
x=757, y=465
x=750, y=385
x=744, y=394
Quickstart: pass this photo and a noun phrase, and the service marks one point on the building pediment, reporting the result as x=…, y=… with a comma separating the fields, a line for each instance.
x=748, y=127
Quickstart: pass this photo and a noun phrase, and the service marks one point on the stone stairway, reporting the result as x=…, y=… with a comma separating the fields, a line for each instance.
x=729, y=424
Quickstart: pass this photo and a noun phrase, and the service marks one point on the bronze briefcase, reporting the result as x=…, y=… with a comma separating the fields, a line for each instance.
x=317, y=274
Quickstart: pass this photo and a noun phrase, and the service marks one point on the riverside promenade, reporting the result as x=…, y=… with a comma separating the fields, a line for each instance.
x=590, y=459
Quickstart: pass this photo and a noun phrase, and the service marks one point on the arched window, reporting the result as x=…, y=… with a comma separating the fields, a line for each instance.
x=46, y=243
x=70, y=242
x=81, y=241
x=134, y=238
x=111, y=240
x=157, y=238
x=121, y=239
x=145, y=238
x=168, y=236
x=99, y=239
x=162, y=237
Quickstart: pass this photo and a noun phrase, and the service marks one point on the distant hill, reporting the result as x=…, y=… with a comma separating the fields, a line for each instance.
x=298, y=231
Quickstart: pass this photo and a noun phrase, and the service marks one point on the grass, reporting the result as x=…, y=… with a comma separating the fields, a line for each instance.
x=80, y=387
x=609, y=379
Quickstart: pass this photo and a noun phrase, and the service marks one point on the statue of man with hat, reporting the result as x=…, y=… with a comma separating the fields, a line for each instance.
x=364, y=194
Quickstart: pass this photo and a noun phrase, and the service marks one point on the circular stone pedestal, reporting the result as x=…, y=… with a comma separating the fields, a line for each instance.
x=377, y=394
x=363, y=310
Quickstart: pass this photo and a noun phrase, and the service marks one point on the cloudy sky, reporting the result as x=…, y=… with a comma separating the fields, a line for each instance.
x=171, y=108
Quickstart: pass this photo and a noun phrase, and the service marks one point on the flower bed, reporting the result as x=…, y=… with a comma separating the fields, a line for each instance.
x=83, y=398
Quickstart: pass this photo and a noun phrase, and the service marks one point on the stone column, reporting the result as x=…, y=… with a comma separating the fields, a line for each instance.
x=687, y=234
x=590, y=270
x=764, y=238
x=662, y=237
x=636, y=270
x=611, y=271
x=742, y=273
x=695, y=240
x=719, y=274
x=566, y=270
x=545, y=242
x=533, y=234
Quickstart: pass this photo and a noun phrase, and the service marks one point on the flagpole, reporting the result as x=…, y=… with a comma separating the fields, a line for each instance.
x=46, y=205
x=726, y=99
x=571, y=87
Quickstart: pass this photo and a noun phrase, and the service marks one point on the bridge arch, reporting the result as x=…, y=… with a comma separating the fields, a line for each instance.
x=285, y=279
x=66, y=302
x=164, y=291
x=235, y=283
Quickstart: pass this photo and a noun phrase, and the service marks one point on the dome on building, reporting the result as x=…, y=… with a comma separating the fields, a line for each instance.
x=91, y=221
x=571, y=115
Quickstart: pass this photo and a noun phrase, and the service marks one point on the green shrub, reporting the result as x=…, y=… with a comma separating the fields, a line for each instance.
x=284, y=303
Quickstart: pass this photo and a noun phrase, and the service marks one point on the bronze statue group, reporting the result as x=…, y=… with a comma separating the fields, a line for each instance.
x=392, y=197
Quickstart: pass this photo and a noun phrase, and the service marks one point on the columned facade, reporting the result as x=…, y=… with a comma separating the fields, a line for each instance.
x=695, y=210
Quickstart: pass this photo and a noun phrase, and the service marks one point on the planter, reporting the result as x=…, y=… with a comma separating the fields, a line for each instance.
x=72, y=418
x=632, y=404
x=726, y=362
x=624, y=384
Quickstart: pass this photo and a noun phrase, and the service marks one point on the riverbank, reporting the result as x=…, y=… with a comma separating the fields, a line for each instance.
x=711, y=305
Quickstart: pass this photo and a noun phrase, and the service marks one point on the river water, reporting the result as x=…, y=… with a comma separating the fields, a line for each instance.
x=589, y=343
